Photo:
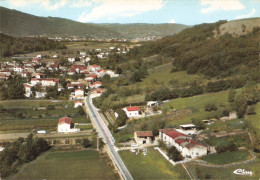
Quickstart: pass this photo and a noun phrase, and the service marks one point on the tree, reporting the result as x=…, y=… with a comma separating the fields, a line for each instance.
x=198, y=123
x=231, y=95
x=174, y=154
x=86, y=143
x=81, y=110
x=122, y=117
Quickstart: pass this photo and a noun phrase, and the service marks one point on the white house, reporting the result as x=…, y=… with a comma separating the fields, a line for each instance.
x=65, y=125
x=82, y=53
x=71, y=59
x=28, y=89
x=94, y=68
x=133, y=111
x=143, y=137
x=183, y=143
x=77, y=104
x=96, y=84
x=96, y=92
x=79, y=94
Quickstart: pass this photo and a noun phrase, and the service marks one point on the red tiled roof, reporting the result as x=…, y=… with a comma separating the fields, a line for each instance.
x=133, y=108
x=179, y=141
x=77, y=102
x=174, y=134
x=144, y=134
x=97, y=82
x=193, y=143
x=65, y=120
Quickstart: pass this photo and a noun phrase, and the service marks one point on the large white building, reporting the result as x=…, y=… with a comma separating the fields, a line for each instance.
x=65, y=125
x=188, y=147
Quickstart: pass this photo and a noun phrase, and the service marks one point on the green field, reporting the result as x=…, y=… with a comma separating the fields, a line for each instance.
x=152, y=166
x=204, y=172
x=26, y=115
x=67, y=165
x=161, y=75
x=254, y=120
x=196, y=105
x=227, y=157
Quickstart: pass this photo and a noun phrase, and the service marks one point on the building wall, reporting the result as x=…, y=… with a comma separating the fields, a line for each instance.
x=64, y=127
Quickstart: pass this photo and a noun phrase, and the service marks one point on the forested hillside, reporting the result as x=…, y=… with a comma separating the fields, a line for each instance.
x=16, y=23
x=10, y=46
x=198, y=51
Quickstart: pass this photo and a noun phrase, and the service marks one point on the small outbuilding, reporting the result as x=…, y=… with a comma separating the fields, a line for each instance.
x=143, y=137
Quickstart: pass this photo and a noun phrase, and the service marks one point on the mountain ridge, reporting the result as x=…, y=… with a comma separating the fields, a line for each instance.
x=16, y=23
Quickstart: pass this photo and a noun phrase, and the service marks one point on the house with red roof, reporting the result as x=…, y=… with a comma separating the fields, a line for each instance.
x=65, y=125
x=77, y=104
x=94, y=68
x=183, y=143
x=96, y=84
x=28, y=89
x=143, y=137
x=132, y=111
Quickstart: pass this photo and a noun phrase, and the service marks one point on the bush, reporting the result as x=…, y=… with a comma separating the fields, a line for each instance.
x=210, y=107
x=50, y=107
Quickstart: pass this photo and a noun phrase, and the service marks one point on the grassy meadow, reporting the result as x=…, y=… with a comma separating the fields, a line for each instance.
x=67, y=165
x=227, y=157
x=152, y=166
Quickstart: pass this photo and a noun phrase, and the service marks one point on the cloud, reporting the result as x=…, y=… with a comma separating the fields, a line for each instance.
x=81, y=3
x=47, y=4
x=216, y=5
x=250, y=14
x=172, y=21
x=110, y=9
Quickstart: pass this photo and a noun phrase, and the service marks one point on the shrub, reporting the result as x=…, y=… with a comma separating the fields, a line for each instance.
x=210, y=107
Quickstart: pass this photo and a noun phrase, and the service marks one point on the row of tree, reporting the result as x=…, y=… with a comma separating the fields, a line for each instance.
x=20, y=151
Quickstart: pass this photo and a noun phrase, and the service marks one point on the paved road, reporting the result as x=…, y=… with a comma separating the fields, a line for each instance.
x=107, y=138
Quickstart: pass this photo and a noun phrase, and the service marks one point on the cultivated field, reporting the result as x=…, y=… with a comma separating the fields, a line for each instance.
x=26, y=115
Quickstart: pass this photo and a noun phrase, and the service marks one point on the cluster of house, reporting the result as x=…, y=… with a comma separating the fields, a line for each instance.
x=34, y=70
x=179, y=138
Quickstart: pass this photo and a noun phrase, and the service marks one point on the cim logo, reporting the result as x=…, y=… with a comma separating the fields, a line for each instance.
x=243, y=172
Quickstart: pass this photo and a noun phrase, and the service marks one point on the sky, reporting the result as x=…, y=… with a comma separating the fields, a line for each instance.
x=188, y=12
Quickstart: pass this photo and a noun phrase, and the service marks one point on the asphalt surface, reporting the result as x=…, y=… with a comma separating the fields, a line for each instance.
x=108, y=139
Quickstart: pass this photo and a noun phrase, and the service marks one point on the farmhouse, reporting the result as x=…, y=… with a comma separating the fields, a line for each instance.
x=183, y=143
x=143, y=137
x=133, y=111
x=65, y=125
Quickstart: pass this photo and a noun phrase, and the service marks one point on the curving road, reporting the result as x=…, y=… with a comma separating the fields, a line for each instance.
x=107, y=138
